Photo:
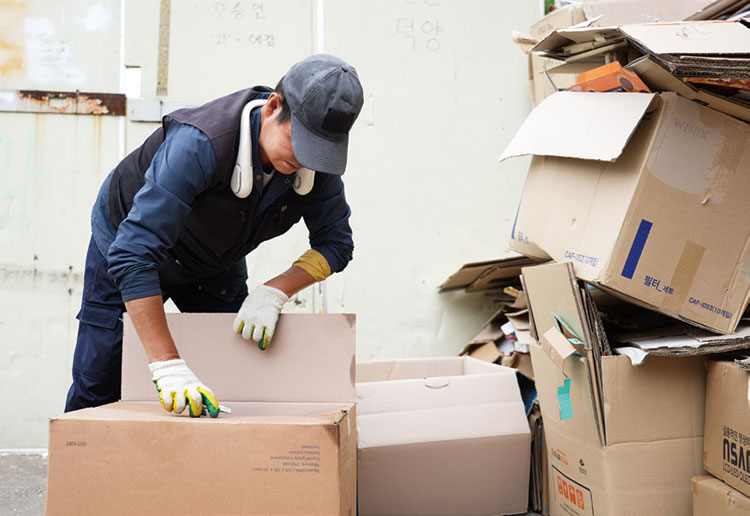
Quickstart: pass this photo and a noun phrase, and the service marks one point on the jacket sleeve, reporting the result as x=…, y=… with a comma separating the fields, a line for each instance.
x=327, y=219
x=182, y=168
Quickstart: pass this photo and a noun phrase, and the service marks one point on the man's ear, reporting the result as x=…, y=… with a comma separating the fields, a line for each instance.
x=273, y=105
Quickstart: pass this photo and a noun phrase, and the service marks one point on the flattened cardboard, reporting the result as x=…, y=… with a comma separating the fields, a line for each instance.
x=445, y=436
x=642, y=11
x=727, y=441
x=716, y=9
x=659, y=79
x=699, y=38
x=594, y=126
x=572, y=14
x=710, y=49
x=268, y=457
x=712, y=497
x=478, y=276
x=687, y=37
x=622, y=224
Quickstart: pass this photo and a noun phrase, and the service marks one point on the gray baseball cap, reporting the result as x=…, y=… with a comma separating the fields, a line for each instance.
x=325, y=97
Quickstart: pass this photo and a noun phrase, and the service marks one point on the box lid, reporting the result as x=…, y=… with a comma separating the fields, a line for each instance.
x=580, y=125
x=311, y=359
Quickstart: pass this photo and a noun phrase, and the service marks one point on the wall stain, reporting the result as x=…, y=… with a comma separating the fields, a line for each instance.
x=14, y=273
x=12, y=14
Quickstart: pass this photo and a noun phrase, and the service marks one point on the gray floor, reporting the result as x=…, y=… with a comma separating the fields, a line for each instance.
x=24, y=482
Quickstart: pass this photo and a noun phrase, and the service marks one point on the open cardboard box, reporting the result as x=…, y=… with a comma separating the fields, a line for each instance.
x=288, y=447
x=646, y=195
x=441, y=436
x=622, y=440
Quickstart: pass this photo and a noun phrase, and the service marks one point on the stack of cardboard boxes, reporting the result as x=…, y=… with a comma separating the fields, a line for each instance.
x=637, y=191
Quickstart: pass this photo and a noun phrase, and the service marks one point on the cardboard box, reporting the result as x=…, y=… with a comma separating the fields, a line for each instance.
x=288, y=447
x=653, y=431
x=441, y=436
x=622, y=440
x=643, y=166
x=712, y=497
x=540, y=84
x=727, y=444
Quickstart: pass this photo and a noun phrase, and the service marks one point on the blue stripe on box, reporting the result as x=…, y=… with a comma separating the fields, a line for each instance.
x=513, y=231
x=636, y=249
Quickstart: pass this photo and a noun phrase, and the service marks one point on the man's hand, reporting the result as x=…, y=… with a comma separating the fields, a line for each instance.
x=179, y=387
x=257, y=317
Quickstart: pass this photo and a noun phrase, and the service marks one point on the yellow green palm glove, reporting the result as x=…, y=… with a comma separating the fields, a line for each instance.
x=258, y=315
x=179, y=388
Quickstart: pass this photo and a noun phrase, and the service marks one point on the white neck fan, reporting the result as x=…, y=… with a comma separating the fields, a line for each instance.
x=242, y=177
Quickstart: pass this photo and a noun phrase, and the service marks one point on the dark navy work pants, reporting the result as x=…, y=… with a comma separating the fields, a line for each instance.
x=98, y=355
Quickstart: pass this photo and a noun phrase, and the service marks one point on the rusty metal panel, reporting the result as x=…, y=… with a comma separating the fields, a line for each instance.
x=65, y=102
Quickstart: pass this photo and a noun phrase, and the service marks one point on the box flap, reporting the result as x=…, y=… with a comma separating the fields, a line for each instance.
x=563, y=37
x=642, y=11
x=244, y=412
x=555, y=295
x=311, y=359
x=708, y=37
x=486, y=275
x=581, y=125
x=441, y=424
x=557, y=348
x=498, y=386
x=658, y=78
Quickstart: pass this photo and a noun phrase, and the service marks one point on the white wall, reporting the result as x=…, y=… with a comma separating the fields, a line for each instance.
x=426, y=190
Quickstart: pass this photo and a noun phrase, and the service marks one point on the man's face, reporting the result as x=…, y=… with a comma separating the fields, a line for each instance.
x=275, y=140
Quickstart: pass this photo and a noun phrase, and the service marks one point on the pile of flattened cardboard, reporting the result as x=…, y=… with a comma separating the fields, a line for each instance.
x=635, y=210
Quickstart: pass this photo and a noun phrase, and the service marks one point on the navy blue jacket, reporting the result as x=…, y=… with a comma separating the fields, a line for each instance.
x=167, y=213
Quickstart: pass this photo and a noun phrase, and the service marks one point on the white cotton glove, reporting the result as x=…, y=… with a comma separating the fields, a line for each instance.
x=258, y=315
x=179, y=387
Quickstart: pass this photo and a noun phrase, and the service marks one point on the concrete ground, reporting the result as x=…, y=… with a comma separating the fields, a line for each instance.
x=23, y=478
x=24, y=483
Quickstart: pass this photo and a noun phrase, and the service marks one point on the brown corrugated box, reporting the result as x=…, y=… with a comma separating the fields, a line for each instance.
x=288, y=447
x=712, y=497
x=622, y=440
x=646, y=195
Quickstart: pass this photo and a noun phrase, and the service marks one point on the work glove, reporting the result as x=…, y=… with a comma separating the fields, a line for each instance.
x=258, y=315
x=178, y=387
